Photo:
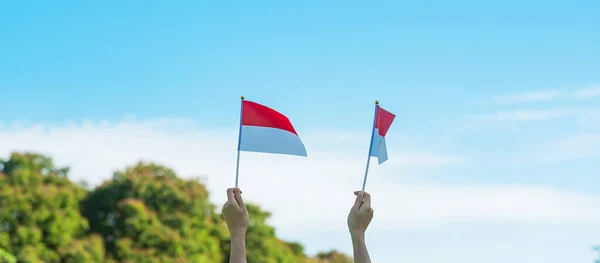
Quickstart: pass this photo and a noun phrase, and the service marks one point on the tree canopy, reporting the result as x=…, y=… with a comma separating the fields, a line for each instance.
x=144, y=213
x=39, y=211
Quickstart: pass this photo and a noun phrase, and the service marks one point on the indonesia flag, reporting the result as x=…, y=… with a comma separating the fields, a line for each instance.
x=263, y=129
x=383, y=121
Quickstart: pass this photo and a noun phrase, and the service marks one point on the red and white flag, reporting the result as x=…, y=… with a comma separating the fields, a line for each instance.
x=266, y=130
x=381, y=124
x=383, y=121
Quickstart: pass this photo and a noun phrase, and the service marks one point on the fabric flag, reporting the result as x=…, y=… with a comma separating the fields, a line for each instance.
x=266, y=130
x=383, y=121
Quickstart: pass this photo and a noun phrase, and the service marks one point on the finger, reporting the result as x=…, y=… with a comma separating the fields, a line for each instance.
x=230, y=195
x=367, y=199
x=238, y=197
x=359, y=199
x=228, y=204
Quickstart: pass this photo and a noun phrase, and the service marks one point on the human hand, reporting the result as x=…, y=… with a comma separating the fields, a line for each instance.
x=360, y=215
x=235, y=213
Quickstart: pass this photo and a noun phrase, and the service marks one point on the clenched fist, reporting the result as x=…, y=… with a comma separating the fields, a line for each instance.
x=235, y=213
x=360, y=215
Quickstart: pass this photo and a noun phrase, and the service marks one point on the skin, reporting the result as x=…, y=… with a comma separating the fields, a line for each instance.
x=236, y=217
x=235, y=214
x=359, y=218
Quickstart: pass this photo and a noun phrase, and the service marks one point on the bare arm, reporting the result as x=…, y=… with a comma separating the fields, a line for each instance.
x=238, y=249
x=236, y=217
x=361, y=254
x=358, y=220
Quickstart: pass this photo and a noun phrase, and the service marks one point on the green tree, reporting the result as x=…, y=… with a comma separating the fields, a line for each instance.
x=147, y=214
x=143, y=214
x=6, y=257
x=262, y=245
x=39, y=211
x=333, y=256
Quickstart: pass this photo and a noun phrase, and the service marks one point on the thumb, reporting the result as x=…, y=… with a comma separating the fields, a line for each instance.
x=238, y=197
x=359, y=199
x=230, y=195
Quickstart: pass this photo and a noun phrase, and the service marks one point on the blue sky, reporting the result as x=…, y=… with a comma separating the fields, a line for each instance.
x=487, y=94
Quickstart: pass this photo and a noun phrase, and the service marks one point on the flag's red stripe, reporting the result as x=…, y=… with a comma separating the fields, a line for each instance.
x=254, y=114
x=384, y=121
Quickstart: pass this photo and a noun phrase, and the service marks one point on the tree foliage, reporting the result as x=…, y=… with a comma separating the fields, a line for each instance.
x=6, y=257
x=144, y=214
x=333, y=257
x=147, y=214
x=262, y=244
x=40, y=213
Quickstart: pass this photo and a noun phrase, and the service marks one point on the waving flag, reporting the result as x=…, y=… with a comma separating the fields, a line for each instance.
x=266, y=130
x=381, y=124
x=383, y=121
x=263, y=129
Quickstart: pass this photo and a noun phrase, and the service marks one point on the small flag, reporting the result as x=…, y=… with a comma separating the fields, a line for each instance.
x=381, y=124
x=266, y=130
x=383, y=121
x=263, y=129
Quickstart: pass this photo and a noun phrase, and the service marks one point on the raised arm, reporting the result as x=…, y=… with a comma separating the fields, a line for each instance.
x=236, y=217
x=358, y=220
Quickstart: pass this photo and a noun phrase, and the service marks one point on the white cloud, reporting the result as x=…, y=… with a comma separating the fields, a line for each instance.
x=579, y=146
x=529, y=97
x=305, y=194
x=590, y=121
x=532, y=115
x=581, y=112
x=494, y=243
x=415, y=159
x=590, y=92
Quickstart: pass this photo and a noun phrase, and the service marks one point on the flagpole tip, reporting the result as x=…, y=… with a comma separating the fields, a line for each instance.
x=242, y=97
x=376, y=102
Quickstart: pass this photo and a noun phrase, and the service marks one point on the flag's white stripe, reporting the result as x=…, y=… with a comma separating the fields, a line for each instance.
x=270, y=140
x=378, y=148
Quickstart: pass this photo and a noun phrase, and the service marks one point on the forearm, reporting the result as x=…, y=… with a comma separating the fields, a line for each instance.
x=238, y=249
x=361, y=255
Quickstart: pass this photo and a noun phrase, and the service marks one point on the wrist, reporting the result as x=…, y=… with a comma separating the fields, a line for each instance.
x=238, y=235
x=237, y=242
x=358, y=236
